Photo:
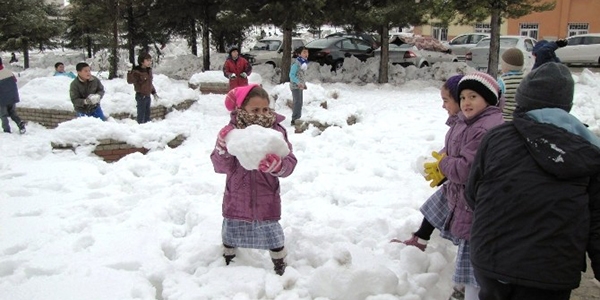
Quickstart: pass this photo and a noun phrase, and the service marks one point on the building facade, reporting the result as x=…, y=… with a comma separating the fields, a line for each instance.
x=568, y=18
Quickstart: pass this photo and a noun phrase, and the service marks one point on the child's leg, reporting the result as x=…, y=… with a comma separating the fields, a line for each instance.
x=297, y=107
x=228, y=253
x=425, y=231
x=278, y=257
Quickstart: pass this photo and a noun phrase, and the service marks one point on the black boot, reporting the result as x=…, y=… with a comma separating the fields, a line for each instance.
x=278, y=257
x=279, y=265
x=228, y=254
x=228, y=258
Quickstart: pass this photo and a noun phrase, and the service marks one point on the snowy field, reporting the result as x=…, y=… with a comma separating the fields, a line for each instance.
x=148, y=226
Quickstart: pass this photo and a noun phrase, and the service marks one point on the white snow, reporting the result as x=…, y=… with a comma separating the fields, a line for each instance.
x=149, y=226
x=251, y=144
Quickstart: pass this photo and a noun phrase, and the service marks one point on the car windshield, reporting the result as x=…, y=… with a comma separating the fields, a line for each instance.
x=322, y=43
x=504, y=42
x=267, y=45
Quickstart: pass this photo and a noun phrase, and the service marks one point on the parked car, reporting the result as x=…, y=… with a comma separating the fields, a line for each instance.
x=373, y=40
x=478, y=57
x=333, y=50
x=269, y=51
x=462, y=43
x=582, y=49
x=417, y=51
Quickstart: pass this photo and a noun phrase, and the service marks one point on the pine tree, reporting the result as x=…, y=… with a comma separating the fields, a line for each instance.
x=27, y=24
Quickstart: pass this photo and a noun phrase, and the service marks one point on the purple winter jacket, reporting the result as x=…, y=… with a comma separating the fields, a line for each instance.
x=252, y=195
x=462, y=141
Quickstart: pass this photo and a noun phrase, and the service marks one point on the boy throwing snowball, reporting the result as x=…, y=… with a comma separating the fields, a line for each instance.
x=252, y=203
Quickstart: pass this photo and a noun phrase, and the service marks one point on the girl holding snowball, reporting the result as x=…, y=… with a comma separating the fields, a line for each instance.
x=251, y=202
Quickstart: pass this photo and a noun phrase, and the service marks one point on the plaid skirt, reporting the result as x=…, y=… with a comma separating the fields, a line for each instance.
x=435, y=210
x=464, y=273
x=256, y=234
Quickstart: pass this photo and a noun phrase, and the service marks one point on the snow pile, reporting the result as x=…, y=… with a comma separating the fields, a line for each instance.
x=52, y=92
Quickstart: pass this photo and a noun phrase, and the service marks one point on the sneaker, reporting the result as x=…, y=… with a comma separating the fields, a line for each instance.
x=228, y=258
x=279, y=265
x=22, y=129
x=417, y=242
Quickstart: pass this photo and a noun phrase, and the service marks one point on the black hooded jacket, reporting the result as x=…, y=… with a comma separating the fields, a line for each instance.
x=535, y=191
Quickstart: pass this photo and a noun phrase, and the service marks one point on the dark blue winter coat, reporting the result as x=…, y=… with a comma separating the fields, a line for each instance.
x=9, y=93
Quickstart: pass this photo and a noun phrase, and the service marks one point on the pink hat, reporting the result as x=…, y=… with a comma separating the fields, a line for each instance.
x=236, y=96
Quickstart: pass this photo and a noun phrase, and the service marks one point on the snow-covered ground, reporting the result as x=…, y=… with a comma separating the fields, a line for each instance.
x=148, y=226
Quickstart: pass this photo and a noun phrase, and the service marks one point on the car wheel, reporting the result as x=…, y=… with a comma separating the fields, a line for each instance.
x=455, y=60
x=424, y=64
x=271, y=64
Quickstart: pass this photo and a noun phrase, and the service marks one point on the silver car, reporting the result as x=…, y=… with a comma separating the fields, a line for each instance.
x=478, y=56
x=582, y=49
x=417, y=51
x=269, y=51
x=462, y=43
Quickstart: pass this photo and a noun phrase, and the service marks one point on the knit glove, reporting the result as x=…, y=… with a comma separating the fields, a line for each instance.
x=432, y=170
x=562, y=42
x=92, y=99
x=304, y=66
x=221, y=144
x=232, y=76
x=270, y=164
x=156, y=97
x=244, y=75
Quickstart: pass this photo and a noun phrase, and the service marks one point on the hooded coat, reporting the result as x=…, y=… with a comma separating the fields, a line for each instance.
x=252, y=195
x=535, y=190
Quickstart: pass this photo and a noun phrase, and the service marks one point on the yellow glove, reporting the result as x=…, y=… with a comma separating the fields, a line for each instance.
x=432, y=169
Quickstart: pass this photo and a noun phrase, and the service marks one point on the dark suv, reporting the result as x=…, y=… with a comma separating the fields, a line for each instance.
x=332, y=51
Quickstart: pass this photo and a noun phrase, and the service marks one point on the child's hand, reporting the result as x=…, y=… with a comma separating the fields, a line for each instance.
x=432, y=170
x=270, y=164
x=221, y=136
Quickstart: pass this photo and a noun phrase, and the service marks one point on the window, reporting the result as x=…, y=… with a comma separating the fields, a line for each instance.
x=529, y=29
x=592, y=40
x=347, y=44
x=528, y=45
x=475, y=38
x=439, y=32
x=578, y=28
x=460, y=40
x=483, y=27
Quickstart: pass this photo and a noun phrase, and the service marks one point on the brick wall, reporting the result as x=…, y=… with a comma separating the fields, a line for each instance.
x=214, y=87
x=113, y=150
x=50, y=118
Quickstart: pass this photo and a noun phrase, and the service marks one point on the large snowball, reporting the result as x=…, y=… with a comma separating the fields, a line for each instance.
x=252, y=144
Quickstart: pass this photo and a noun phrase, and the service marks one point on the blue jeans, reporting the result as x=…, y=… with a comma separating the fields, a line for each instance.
x=96, y=113
x=143, y=108
x=9, y=111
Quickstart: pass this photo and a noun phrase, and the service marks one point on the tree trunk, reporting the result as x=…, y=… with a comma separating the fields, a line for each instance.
x=286, y=58
x=130, y=31
x=114, y=55
x=494, y=42
x=194, y=38
x=26, y=55
x=205, y=45
x=89, y=46
x=385, y=54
